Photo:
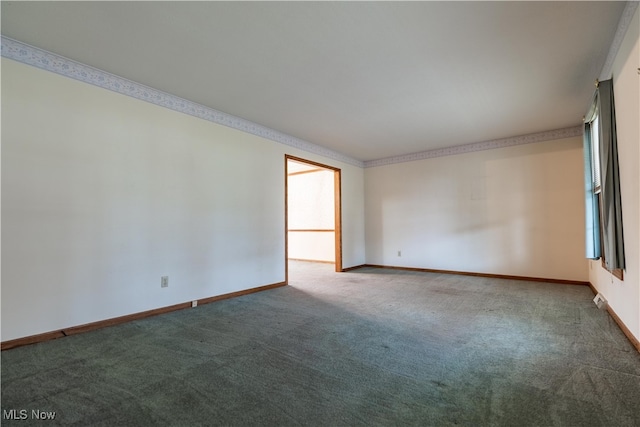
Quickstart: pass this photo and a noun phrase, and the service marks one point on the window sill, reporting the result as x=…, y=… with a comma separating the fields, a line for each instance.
x=618, y=273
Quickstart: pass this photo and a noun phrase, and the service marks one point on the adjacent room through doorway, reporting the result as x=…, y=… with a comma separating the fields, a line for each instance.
x=313, y=219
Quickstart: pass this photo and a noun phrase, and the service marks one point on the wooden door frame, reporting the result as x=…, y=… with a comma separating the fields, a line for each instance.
x=337, y=203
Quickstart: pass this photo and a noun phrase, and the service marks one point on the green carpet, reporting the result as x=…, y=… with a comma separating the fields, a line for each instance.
x=368, y=347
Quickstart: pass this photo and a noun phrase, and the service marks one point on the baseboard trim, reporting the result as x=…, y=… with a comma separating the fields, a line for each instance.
x=489, y=275
x=311, y=260
x=74, y=330
x=47, y=336
x=634, y=341
x=355, y=267
x=32, y=339
x=627, y=333
x=240, y=293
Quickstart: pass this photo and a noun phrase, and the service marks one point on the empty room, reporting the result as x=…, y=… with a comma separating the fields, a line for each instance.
x=320, y=213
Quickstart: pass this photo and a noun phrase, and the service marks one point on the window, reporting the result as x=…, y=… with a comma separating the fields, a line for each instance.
x=604, y=212
x=595, y=153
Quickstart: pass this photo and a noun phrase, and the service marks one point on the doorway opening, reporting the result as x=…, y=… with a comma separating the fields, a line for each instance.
x=313, y=215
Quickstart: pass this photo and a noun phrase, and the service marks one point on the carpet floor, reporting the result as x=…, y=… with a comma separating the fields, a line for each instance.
x=368, y=347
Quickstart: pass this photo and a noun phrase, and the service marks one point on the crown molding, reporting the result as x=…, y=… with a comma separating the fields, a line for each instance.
x=623, y=25
x=479, y=146
x=621, y=31
x=45, y=60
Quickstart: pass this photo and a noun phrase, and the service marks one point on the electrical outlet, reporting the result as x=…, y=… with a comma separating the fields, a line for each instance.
x=164, y=282
x=194, y=303
x=399, y=253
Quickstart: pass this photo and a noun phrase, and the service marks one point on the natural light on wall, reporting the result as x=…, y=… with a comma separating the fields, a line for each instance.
x=311, y=216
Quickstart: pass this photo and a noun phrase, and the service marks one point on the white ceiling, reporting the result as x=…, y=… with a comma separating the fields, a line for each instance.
x=366, y=79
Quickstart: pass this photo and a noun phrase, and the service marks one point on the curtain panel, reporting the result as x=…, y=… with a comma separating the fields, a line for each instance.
x=613, y=241
x=603, y=217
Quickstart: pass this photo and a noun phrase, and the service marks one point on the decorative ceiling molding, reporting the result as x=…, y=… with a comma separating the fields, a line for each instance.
x=45, y=60
x=40, y=58
x=623, y=26
x=479, y=146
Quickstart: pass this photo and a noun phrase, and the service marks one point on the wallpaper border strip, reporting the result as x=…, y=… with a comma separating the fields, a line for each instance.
x=31, y=55
x=479, y=146
x=43, y=59
x=621, y=32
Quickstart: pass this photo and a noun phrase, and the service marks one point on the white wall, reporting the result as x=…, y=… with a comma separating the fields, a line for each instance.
x=102, y=194
x=317, y=246
x=513, y=211
x=312, y=207
x=624, y=296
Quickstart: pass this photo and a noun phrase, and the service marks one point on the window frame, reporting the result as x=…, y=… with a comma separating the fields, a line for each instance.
x=597, y=190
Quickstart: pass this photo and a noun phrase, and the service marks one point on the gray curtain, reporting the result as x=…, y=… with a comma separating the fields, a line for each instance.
x=613, y=241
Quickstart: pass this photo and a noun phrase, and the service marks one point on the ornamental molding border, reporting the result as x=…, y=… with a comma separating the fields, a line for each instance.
x=54, y=63
x=605, y=74
x=621, y=31
x=479, y=146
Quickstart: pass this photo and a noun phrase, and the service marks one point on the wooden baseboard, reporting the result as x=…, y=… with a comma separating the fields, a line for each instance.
x=33, y=339
x=311, y=260
x=355, y=267
x=634, y=341
x=627, y=333
x=123, y=319
x=489, y=275
x=344, y=270
x=240, y=293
